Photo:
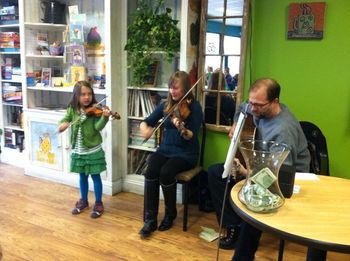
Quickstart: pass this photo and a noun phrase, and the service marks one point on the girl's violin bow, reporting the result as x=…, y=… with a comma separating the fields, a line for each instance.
x=175, y=106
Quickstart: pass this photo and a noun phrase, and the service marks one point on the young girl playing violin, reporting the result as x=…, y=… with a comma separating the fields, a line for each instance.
x=177, y=152
x=88, y=157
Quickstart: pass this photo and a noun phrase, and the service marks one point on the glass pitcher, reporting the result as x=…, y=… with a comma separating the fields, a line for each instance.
x=261, y=192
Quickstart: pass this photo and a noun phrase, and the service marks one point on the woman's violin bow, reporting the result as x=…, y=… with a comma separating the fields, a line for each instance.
x=175, y=107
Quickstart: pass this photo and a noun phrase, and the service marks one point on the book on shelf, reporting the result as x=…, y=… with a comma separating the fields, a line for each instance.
x=14, y=116
x=143, y=106
x=73, y=10
x=9, y=13
x=76, y=33
x=137, y=161
x=149, y=102
x=9, y=41
x=46, y=76
x=129, y=102
x=140, y=102
x=13, y=139
x=8, y=8
x=142, y=163
x=78, y=73
x=137, y=104
x=74, y=16
x=135, y=136
x=12, y=93
x=37, y=76
x=75, y=54
x=42, y=43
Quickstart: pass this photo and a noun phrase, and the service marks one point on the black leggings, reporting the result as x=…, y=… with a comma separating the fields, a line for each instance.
x=165, y=169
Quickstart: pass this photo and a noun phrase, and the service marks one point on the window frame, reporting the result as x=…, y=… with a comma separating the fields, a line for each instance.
x=238, y=94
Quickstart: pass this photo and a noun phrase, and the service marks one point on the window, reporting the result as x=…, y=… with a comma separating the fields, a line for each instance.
x=223, y=38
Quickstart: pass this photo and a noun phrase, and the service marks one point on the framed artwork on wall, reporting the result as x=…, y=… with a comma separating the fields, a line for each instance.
x=150, y=78
x=306, y=20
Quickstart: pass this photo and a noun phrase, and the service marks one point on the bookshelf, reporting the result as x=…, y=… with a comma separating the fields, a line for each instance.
x=47, y=153
x=11, y=104
x=136, y=95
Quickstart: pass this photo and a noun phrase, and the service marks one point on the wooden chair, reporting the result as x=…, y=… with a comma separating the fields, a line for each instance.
x=319, y=164
x=186, y=177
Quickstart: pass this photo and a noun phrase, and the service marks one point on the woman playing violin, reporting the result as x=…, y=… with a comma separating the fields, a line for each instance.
x=178, y=150
x=88, y=157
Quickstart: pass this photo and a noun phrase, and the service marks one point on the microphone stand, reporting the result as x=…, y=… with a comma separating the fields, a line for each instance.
x=228, y=166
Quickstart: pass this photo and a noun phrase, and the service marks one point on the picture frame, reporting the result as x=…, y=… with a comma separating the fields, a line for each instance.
x=75, y=54
x=150, y=79
x=46, y=77
x=306, y=20
x=78, y=73
x=76, y=33
x=73, y=10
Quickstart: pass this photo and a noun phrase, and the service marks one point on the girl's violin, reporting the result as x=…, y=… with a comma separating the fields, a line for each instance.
x=98, y=111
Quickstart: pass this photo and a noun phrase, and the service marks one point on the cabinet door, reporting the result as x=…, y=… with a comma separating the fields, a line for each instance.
x=45, y=144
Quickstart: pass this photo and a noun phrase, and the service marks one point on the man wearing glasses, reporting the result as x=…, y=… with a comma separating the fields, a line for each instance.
x=273, y=122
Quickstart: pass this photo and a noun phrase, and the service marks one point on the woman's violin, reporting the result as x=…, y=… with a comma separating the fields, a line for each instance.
x=183, y=109
x=97, y=111
x=181, y=113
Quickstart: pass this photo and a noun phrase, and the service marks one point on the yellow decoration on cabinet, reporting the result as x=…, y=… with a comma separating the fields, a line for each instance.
x=44, y=153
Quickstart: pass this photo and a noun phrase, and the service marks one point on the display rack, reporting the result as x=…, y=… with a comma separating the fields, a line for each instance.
x=48, y=87
x=139, y=95
x=11, y=104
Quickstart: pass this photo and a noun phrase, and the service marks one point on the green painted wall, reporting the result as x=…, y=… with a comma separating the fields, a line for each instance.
x=314, y=75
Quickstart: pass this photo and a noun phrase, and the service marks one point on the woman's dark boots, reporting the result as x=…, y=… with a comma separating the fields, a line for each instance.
x=169, y=192
x=151, y=203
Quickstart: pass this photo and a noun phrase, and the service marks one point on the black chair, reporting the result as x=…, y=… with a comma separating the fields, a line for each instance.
x=210, y=117
x=186, y=177
x=317, y=146
x=319, y=163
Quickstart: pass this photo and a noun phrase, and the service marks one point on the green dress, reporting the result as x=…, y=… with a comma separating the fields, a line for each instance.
x=86, y=160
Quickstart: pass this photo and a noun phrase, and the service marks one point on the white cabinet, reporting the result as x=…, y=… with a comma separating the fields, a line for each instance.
x=48, y=152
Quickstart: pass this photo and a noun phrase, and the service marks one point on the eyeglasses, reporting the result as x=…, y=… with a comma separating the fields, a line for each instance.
x=259, y=105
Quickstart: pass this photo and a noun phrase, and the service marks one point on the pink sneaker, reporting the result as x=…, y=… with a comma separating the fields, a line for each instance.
x=98, y=210
x=80, y=206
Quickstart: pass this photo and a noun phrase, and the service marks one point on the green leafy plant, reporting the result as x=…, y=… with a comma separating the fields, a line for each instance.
x=151, y=30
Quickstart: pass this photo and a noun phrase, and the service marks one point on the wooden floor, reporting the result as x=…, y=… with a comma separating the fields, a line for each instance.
x=36, y=224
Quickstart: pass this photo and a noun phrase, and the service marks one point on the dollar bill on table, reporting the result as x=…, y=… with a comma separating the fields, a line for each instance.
x=264, y=178
x=208, y=234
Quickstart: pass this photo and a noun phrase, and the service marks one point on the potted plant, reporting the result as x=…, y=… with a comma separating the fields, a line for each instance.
x=152, y=29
